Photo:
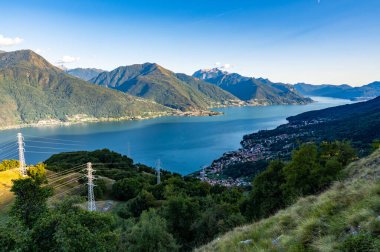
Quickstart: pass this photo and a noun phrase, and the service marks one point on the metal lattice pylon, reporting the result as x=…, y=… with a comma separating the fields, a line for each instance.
x=91, y=206
x=158, y=170
x=21, y=155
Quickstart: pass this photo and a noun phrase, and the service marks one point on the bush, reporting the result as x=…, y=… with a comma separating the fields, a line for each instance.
x=150, y=234
x=126, y=189
x=360, y=243
x=9, y=164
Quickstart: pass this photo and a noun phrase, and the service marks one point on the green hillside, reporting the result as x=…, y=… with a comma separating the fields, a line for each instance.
x=165, y=87
x=357, y=123
x=31, y=90
x=346, y=217
x=254, y=90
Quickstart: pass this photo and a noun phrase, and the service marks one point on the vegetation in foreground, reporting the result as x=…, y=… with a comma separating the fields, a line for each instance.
x=181, y=213
x=344, y=218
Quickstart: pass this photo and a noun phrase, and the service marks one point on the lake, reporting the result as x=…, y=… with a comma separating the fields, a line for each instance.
x=183, y=144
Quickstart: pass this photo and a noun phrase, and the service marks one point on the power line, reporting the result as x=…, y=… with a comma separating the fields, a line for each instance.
x=67, y=182
x=71, y=144
x=68, y=190
x=54, y=139
x=9, y=153
x=8, y=146
x=10, y=157
x=48, y=147
x=55, y=175
x=9, y=139
x=45, y=152
x=62, y=177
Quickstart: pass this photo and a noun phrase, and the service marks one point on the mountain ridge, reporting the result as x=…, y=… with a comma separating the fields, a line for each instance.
x=84, y=73
x=254, y=90
x=152, y=81
x=343, y=91
x=34, y=91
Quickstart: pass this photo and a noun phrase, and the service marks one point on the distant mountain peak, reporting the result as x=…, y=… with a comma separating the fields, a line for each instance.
x=25, y=58
x=152, y=81
x=84, y=73
x=257, y=91
x=205, y=74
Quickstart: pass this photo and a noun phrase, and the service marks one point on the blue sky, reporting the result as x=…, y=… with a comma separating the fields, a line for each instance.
x=326, y=41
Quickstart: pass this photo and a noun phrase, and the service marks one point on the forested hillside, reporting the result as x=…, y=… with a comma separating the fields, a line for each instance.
x=142, y=213
x=346, y=217
x=32, y=90
x=253, y=90
x=154, y=82
x=358, y=123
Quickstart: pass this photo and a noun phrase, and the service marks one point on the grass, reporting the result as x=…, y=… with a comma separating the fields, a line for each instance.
x=6, y=196
x=344, y=218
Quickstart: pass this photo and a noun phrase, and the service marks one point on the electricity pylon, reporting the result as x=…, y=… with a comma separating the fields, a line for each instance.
x=21, y=156
x=91, y=206
x=158, y=170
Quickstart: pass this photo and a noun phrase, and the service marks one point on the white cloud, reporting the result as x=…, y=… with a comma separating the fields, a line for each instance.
x=68, y=59
x=224, y=66
x=4, y=41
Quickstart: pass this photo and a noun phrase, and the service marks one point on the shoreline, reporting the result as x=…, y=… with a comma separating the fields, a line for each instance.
x=84, y=119
x=47, y=123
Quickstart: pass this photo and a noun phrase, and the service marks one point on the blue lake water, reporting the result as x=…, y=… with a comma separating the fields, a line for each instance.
x=183, y=144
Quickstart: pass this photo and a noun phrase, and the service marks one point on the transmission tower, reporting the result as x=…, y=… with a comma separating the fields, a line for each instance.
x=158, y=170
x=91, y=206
x=129, y=150
x=21, y=156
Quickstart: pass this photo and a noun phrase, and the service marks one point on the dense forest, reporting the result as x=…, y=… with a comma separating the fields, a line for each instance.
x=180, y=213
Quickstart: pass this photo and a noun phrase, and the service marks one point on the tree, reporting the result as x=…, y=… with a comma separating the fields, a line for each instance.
x=266, y=196
x=215, y=220
x=137, y=205
x=342, y=151
x=9, y=164
x=30, y=202
x=375, y=144
x=126, y=189
x=300, y=173
x=150, y=234
x=69, y=228
x=100, y=188
x=38, y=173
x=180, y=213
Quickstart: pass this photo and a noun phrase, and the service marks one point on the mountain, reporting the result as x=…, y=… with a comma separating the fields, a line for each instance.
x=365, y=92
x=343, y=218
x=357, y=123
x=154, y=82
x=260, y=91
x=84, y=73
x=32, y=90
